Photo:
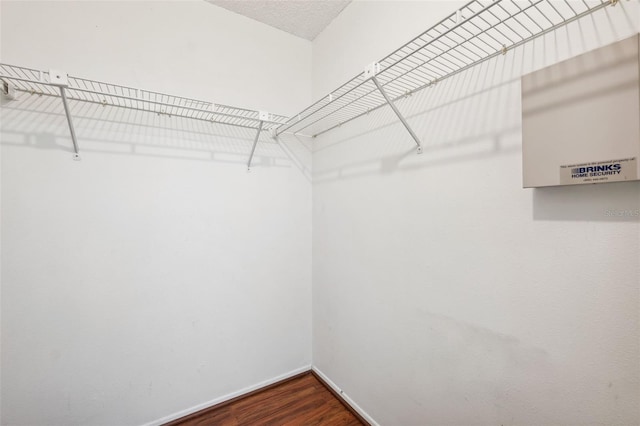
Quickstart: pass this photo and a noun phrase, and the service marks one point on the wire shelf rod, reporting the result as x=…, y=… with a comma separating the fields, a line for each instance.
x=246, y=126
x=387, y=70
x=79, y=89
x=442, y=73
x=577, y=16
x=105, y=94
x=453, y=45
x=290, y=123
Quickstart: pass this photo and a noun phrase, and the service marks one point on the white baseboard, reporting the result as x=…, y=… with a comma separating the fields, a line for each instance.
x=344, y=396
x=227, y=397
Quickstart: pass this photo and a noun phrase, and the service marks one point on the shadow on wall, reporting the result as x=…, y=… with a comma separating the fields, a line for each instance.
x=39, y=122
x=466, y=117
x=470, y=116
x=608, y=202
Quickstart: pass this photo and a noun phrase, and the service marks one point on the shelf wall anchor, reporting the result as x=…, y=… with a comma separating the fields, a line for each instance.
x=61, y=79
x=9, y=91
x=398, y=113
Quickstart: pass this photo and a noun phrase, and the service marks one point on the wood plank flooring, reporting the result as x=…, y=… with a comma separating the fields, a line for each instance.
x=302, y=400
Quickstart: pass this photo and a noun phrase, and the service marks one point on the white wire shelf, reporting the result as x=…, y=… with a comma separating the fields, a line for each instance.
x=479, y=31
x=38, y=82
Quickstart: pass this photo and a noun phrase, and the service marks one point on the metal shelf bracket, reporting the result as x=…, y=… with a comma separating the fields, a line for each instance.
x=370, y=72
x=61, y=80
x=264, y=116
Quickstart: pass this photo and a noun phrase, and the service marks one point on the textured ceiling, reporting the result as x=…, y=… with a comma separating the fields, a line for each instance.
x=303, y=18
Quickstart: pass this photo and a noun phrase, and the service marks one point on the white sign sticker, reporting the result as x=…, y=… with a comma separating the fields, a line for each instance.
x=599, y=171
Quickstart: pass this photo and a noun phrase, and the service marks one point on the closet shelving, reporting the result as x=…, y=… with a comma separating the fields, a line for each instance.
x=21, y=80
x=477, y=32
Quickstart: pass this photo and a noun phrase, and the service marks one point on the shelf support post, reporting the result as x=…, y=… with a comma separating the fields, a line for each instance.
x=398, y=113
x=76, y=150
x=255, y=142
x=61, y=79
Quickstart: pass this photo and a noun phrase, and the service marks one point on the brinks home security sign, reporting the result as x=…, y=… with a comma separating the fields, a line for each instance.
x=581, y=119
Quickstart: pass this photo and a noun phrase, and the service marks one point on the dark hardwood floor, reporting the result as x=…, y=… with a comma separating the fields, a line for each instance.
x=302, y=400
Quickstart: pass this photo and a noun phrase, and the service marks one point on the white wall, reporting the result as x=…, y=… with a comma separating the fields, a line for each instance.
x=443, y=292
x=156, y=274
x=180, y=47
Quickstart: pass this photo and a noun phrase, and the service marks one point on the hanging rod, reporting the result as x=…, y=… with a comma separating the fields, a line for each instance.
x=479, y=31
x=68, y=88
